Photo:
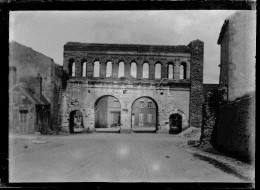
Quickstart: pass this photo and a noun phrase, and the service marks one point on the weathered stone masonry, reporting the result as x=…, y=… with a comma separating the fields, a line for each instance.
x=172, y=95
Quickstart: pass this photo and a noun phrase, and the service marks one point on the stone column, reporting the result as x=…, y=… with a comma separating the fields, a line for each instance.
x=66, y=63
x=90, y=68
x=115, y=68
x=188, y=69
x=139, y=70
x=151, y=70
x=78, y=67
x=164, y=69
x=102, y=71
x=176, y=70
x=127, y=69
x=125, y=120
x=196, y=82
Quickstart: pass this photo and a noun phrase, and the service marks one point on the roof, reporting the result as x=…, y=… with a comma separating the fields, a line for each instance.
x=76, y=46
x=14, y=44
x=31, y=95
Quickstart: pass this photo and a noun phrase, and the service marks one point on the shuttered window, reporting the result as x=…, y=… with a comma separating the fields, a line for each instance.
x=149, y=118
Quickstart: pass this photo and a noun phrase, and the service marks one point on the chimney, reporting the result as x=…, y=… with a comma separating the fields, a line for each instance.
x=38, y=86
x=12, y=76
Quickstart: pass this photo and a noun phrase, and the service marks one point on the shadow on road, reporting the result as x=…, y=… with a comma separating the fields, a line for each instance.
x=221, y=166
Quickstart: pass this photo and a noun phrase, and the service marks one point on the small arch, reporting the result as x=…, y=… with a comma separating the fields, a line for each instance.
x=145, y=70
x=133, y=69
x=170, y=70
x=158, y=70
x=121, y=69
x=76, y=121
x=109, y=66
x=96, y=69
x=72, y=68
x=183, y=70
x=175, y=122
x=84, y=68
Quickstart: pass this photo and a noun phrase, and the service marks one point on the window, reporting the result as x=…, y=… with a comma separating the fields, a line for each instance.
x=149, y=104
x=72, y=67
x=141, y=104
x=183, y=68
x=149, y=118
x=115, y=100
x=170, y=71
x=109, y=69
x=158, y=70
x=84, y=68
x=141, y=119
x=145, y=70
x=96, y=68
x=121, y=69
x=133, y=69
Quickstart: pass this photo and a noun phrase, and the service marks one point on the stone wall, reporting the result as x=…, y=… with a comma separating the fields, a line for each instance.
x=196, y=82
x=235, y=132
x=177, y=95
x=83, y=97
x=238, y=54
x=28, y=64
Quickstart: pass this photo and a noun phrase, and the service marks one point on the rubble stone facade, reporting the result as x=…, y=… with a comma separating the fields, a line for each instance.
x=177, y=91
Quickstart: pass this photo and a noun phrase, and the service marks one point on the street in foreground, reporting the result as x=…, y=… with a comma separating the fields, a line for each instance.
x=103, y=157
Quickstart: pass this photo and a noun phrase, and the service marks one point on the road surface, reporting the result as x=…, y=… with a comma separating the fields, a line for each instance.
x=103, y=157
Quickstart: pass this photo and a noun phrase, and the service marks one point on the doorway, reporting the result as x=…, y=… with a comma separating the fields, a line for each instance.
x=175, y=122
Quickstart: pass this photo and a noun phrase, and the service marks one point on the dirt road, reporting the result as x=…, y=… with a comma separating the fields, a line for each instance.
x=110, y=158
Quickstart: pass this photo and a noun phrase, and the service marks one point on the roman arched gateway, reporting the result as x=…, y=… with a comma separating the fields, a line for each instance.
x=144, y=113
x=133, y=74
x=107, y=112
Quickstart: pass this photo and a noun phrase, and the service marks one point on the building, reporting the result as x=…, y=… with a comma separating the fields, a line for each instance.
x=29, y=110
x=132, y=87
x=237, y=41
x=236, y=123
x=25, y=64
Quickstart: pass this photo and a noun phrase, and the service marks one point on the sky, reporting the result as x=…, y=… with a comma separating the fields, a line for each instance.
x=48, y=31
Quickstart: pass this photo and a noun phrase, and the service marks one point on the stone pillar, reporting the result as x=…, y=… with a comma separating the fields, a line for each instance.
x=115, y=68
x=90, y=68
x=102, y=71
x=164, y=69
x=125, y=120
x=188, y=70
x=176, y=70
x=66, y=63
x=151, y=70
x=196, y=82
x=78, y=68
x=127, y=69
x=139, y=70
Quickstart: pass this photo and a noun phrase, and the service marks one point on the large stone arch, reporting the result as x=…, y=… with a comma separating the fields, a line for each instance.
x=105, y=116
x=156, y=109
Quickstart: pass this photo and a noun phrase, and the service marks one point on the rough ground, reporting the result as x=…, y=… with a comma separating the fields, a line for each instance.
x=110, y=157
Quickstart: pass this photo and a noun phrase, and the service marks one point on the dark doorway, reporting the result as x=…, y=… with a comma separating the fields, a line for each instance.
x=175, y=122
x=76, y=121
